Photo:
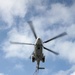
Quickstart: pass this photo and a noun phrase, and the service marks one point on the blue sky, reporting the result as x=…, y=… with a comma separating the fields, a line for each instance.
x=50, y=18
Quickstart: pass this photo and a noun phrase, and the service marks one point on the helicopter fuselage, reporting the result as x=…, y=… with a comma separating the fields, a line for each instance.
x=38, y=49
x=38, y=52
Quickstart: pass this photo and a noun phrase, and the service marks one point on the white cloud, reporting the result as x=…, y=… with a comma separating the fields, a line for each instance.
x=19, y=51
x=58, y=13
x=66, y=49
x=46, y=26
x=54, y=15
x=64, y=16
x=70, y=71
x=70, y=30
x=45, y=72
x=2, y=74
x=11, y=8
x=73, y=73
x=19, y=67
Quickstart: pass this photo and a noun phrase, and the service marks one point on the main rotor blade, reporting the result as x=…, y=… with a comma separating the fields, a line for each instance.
x=60, y=35
x=50, y=50
x=21, y=43
x=32, y=28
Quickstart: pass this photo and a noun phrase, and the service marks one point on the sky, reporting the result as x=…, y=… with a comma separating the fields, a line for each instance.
x=50, y=18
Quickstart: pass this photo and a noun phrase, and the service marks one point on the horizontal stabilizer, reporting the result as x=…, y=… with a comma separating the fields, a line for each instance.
x=41, y=68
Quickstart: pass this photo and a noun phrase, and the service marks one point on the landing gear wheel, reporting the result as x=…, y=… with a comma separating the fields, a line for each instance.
x=33, y=59
x=43, y=59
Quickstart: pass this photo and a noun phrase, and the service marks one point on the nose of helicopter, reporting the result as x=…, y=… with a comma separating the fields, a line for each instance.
x=38, y=41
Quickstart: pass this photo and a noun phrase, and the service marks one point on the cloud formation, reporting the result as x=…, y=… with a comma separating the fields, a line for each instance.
x=1, y=74
x=49, y=22
x=11, y=8
x=19, y=51
x=70, y=71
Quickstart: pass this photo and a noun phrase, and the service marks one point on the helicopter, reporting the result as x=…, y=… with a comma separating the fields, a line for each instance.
x=38, y=54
